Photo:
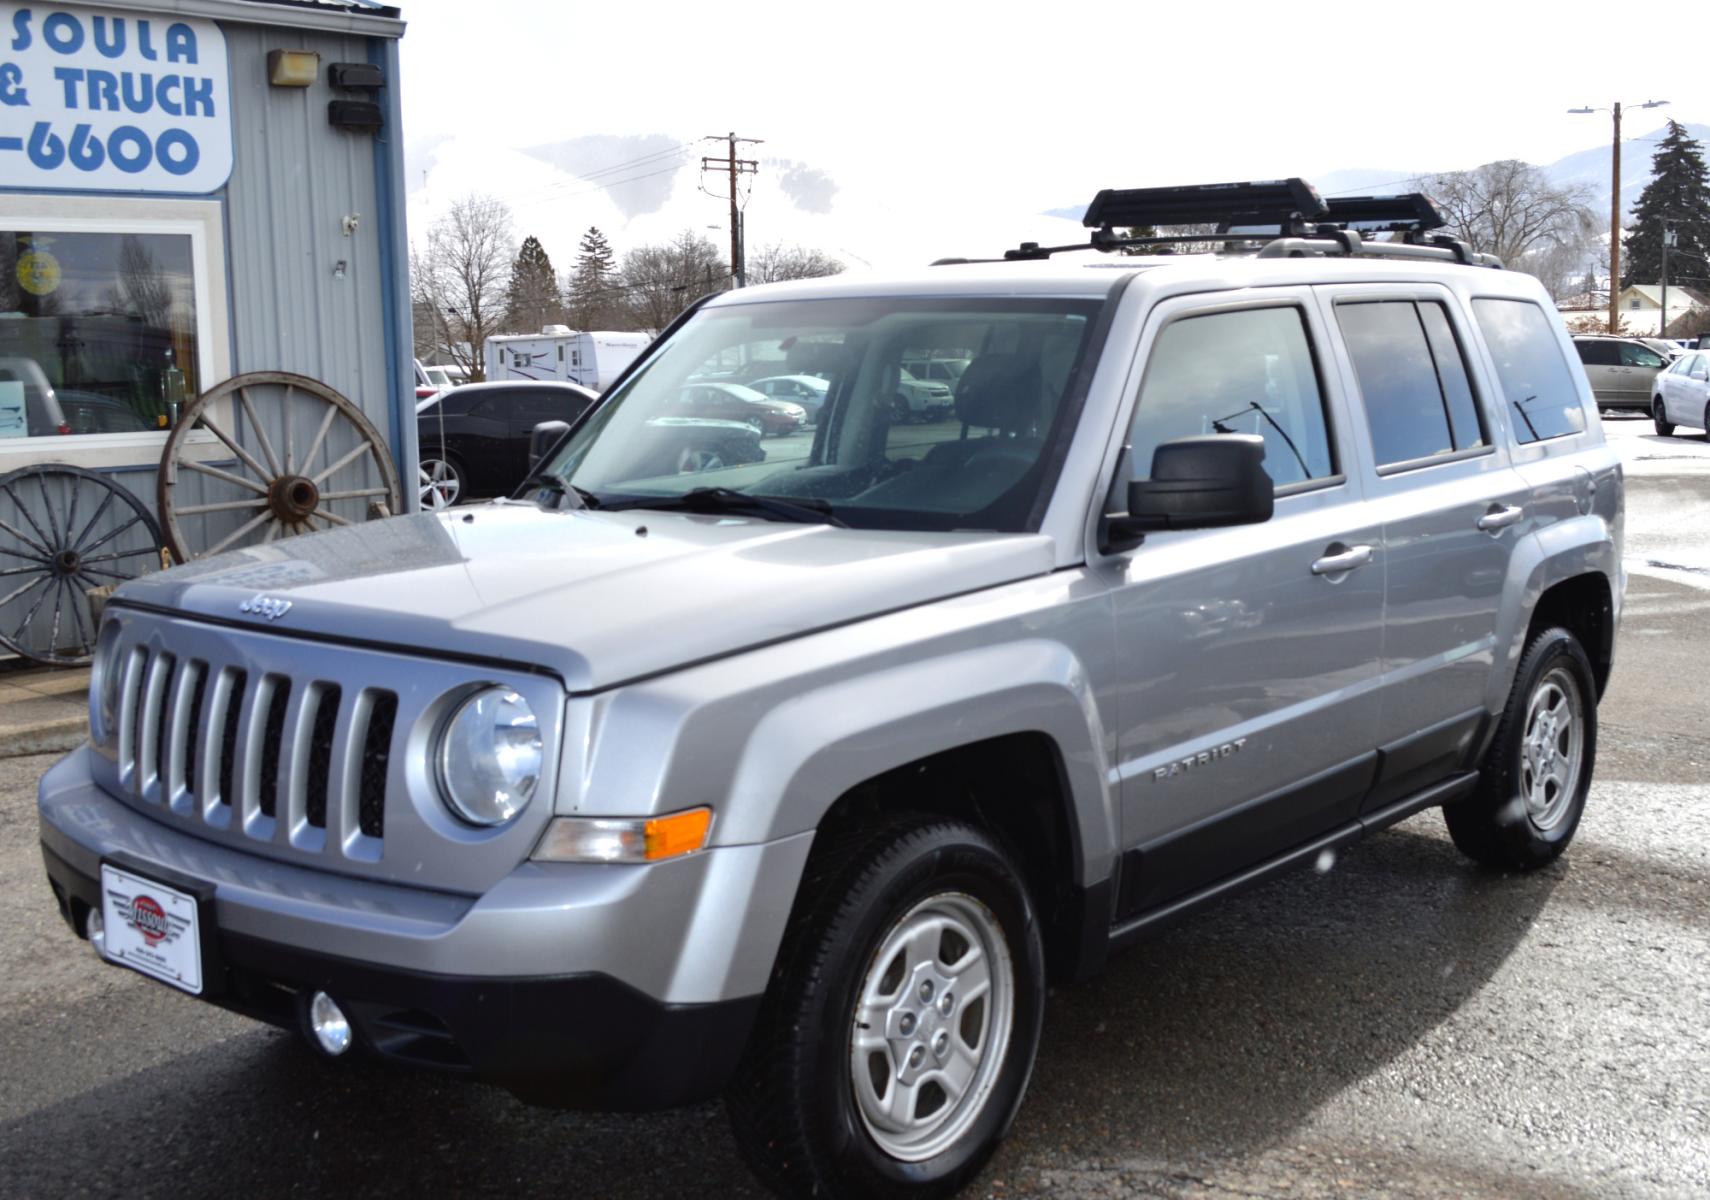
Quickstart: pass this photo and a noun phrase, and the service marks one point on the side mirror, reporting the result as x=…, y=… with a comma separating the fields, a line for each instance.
x=542, y=438
x=1197, y=483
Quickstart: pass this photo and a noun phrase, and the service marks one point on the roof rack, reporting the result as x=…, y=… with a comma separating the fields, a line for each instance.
x=1245, y=215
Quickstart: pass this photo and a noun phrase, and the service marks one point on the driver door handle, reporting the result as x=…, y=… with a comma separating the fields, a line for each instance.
x=1346, y=559
x=1500, y=516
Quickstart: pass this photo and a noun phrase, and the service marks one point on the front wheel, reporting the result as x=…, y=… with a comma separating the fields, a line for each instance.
x=1537, y=772
x=1659, y=416
x=901, y=1026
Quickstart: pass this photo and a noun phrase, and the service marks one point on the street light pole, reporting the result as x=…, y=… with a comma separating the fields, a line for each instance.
x=1615, y=204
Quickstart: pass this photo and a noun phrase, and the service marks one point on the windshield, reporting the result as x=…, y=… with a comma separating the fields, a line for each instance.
x=816, y=401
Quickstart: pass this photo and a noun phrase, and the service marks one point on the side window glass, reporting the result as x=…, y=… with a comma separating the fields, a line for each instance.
x=1249, y=371
x=1597, y=354
x=1451, y=362
x=1542, y=398
x=1639, y=356
x=1398, y=380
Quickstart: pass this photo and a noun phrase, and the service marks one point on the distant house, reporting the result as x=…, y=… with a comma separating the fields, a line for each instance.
x=1641, y=306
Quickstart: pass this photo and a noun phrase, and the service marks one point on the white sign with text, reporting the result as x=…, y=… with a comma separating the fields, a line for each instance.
x=102, y=101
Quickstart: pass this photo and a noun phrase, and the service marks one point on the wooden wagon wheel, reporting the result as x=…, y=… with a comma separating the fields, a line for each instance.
x=308, y=459
x=64, y=532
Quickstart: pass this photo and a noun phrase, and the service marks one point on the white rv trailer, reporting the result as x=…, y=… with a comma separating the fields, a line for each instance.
x=556, y=352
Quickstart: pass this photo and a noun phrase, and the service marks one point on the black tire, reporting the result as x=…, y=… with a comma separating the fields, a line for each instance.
x=901, y=413
x=1496, y=825
x=1665, y=427
x=457, y=478
x=1707, y=422
x=793, y=1106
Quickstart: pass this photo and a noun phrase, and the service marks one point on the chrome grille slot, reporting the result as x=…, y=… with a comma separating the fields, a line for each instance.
x=325, y=698
x=376, y=758
x=229, y=705
x=304, y=751
x=275, y=695
x=193, y=732
x=150, y=720
x=130, y=709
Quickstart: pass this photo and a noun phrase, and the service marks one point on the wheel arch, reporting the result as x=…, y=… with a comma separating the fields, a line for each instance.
x=1559, y=575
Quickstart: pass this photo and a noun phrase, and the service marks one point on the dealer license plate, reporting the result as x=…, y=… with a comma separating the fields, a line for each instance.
x=152, y=928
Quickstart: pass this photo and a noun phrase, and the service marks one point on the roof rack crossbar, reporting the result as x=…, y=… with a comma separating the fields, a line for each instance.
x=1442, y=249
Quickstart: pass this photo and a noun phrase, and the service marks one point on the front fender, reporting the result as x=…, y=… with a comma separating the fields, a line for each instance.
x=805, y=754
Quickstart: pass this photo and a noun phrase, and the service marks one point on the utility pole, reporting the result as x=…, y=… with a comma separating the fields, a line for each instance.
x=1615, y=222
x=1615, y=205
x=736, y=166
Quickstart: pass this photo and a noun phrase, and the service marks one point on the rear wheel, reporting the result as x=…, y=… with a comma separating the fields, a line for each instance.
x=902, y=1022
x=1536, y=774
x=440, y=480
x=1659, y=415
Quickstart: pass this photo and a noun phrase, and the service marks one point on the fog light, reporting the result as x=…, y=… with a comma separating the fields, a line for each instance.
x=96, y=930
x=329, y=1025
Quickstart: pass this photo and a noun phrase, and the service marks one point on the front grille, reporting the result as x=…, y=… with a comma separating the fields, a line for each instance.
x=260, y=734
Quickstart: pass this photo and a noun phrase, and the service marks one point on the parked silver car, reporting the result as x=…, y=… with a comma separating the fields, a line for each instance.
x=793, y=779
x=1620, y=369
x=1680, y=395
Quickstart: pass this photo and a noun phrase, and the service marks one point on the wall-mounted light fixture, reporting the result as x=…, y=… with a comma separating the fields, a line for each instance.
x=358, y=116
x=292, y=68
x=356, y=77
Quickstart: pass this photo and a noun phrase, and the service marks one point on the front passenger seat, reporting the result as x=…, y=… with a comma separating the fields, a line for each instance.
x=1000, y=393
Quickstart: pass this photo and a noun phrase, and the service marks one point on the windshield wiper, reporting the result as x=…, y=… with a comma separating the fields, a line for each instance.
x=544, y=481
x=728, y=500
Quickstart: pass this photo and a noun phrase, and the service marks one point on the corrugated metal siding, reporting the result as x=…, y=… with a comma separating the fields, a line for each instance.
x=294, y=180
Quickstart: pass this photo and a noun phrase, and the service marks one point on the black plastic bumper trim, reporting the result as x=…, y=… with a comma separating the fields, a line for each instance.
x=570, y=1041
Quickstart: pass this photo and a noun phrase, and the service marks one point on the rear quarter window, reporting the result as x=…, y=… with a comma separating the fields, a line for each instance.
x=1538, y=389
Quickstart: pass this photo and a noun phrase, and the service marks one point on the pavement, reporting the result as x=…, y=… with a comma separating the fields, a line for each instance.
x=1402, y=1024
x=42, y=709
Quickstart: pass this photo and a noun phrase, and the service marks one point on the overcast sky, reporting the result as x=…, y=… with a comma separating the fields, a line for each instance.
x=920, y=106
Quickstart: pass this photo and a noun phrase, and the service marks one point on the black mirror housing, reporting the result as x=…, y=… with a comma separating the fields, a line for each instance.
x=1198, y=483
x=542, y=438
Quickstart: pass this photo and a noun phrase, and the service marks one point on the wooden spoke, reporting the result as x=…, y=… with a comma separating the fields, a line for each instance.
x=20, y=590
x=216, y=473
x=276, y=488
x=247, y=458
x=100, y=511
x=260, y=431
x=343, y=462
x=225, y=506
x=232, y=538
x=113, y=533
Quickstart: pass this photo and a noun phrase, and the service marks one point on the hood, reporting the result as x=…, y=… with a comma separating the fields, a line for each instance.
x=585, y=594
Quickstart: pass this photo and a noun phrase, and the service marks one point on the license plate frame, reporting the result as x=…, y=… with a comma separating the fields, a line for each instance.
x=169, y=936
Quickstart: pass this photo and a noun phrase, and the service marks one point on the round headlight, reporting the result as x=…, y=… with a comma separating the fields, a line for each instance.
x=490, y=757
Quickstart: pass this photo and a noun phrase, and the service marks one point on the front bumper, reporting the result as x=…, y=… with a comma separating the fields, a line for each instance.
x=588, y=986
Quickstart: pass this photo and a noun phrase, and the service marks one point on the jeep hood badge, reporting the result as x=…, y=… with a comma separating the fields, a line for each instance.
x=265, y=606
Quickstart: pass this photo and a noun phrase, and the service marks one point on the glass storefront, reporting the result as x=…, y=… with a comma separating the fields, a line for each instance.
x=97, y=332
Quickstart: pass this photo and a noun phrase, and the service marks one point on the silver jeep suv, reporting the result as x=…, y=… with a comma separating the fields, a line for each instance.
x=795, y=780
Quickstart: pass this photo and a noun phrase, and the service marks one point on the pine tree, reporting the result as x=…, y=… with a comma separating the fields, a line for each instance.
x=592, y=301
x=1678, y=194
x=533, y=298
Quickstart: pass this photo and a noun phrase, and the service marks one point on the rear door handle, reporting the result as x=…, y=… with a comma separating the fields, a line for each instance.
x=1500, y=516
x=1342, y=560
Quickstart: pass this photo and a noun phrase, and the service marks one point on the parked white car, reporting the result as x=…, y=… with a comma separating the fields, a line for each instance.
x=1680, y=395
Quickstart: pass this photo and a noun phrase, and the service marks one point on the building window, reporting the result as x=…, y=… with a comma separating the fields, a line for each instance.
x=1633, y=304
x=97, y=331
x=112, y=319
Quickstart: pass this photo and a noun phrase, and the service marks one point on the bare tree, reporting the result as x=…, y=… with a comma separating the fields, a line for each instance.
x=660, y=281
x=778, y=262
x=463, y=277
x=1511, y=209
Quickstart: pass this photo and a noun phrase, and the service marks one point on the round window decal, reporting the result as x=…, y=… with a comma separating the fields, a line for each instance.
x=38, y=272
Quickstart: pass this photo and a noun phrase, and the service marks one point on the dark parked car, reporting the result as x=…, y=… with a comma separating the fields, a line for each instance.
x=474, y=438
x=734, y=402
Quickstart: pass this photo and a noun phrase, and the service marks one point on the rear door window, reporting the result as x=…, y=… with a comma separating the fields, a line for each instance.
x=1598, y=354
x=1541, y=396
x=1418, y=399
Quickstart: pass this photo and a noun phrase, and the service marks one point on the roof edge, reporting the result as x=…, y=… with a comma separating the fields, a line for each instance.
x=365, y=18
